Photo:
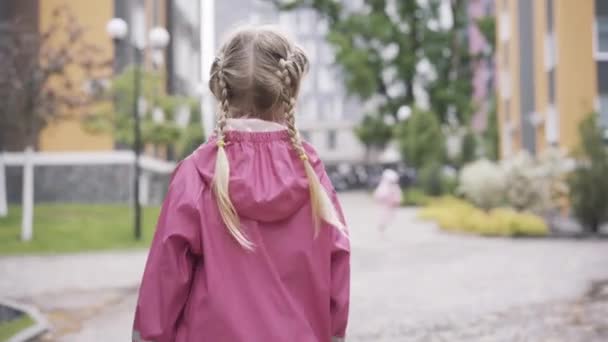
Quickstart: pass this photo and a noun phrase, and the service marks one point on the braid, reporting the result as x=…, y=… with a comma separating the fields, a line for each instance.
x=289, y=102
x=321, y=205
x=221, y=178
x=224, y=105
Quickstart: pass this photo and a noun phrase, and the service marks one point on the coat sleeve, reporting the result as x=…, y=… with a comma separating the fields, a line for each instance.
x=173, y=255
x=340, y=257
x=340, y=277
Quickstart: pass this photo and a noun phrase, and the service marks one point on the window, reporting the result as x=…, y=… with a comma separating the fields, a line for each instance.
x=326, y=53
x=326, y=82
x=505, y=26
x=505, y=84
x=310, y=47
x=601, y=26
x=551, y=85
x=137, y=26
x=286, y=20
x=507, y=110
x=604, y=110
x=550, y=15
x=331, y=139
x=507, y=140
x=550, y=52
x=308, y=109
x=305, y=135
x=602, y=34
x=552, y=125
x=306, y=21
x=602, y=69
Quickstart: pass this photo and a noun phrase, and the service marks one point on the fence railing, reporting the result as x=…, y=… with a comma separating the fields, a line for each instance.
x=87, y=158
x=30, y=159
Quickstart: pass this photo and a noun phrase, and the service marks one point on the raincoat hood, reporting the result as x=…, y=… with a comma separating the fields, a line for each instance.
x=267, y=179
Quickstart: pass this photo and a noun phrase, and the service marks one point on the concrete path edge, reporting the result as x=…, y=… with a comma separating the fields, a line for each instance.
x=40, y=326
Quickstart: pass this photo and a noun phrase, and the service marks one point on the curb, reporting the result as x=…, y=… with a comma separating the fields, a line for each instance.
x=40, y=326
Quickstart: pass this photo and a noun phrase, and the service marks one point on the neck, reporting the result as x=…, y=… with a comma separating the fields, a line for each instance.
x=253, y=125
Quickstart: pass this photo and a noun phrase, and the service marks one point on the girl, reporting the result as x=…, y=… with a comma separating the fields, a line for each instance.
x=250, y=244
x=388, y=194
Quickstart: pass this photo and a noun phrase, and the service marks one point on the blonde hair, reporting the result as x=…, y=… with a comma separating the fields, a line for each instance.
x=257, y=73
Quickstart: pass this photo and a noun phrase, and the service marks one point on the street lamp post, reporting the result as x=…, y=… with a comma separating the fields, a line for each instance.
x=117, y=28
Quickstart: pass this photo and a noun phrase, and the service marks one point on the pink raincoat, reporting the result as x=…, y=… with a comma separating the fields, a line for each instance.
x=199, y=285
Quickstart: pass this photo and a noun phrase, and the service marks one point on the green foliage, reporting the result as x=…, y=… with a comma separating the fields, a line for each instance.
x=420, y=139
x=189, y=140
x=415, y=197
x=68, y=228
x=456, y=215
x=433, y=180
x=487, y=27
x=589, y=183
x=491, y=136
x=469, y=148
x=429, y=179
x=115, y=112
x=362, y=38
x=373, y=131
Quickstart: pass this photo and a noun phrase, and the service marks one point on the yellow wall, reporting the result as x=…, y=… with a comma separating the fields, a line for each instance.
x=541, y=81
x=576, y=71
x=576, y=66
x=68, y=135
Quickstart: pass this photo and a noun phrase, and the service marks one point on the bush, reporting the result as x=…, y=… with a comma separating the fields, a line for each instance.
x=553, y=168
x=460, y=216
x=415, y=197
x=589, y=182
x=523, y=188
x=429, y=179
x=482, y=182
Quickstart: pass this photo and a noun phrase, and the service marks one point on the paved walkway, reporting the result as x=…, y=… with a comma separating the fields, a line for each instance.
x=411, y=283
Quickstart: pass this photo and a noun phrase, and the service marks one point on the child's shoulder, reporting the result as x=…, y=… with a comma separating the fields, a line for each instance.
x=187, y=174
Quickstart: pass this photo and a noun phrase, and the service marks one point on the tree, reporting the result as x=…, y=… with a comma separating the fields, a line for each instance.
x=374, y=133
x=420, y=139
x=388, y=48
x=588, y=183
x=382, y=46
x=42, y=76
x=166, y=120
x=487, y=27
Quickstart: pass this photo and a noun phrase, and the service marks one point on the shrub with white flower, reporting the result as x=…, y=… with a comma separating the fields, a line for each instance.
x=553, y=166
x=523, y=189
x=483, y=183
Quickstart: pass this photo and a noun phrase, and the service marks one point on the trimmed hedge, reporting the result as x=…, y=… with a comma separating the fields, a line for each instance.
x=457, y=215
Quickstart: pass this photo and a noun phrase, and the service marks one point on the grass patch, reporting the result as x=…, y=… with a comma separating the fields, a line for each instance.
x=10, y=328
x=66, y=228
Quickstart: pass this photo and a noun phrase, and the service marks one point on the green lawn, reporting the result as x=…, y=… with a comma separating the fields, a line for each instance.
x=64, y=228
x=10, y=328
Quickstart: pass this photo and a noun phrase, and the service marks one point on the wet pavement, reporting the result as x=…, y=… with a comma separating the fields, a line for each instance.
x=411, y=283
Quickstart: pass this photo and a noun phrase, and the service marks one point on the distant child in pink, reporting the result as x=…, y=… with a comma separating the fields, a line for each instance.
x=388, y=195
x=251, y=243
